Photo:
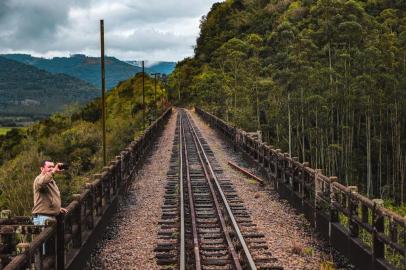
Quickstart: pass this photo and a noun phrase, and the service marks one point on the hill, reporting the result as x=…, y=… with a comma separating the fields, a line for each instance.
x=324, y=80
x=28, y=91
x=82, y=67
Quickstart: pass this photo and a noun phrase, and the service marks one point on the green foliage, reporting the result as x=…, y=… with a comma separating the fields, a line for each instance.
x=74, y=137
x=16, y=178
x=392, y=206
x=91, y=112
x=10, y=143
x=323, y=78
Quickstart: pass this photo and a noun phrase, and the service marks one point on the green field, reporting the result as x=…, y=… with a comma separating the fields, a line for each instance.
x=4, y=130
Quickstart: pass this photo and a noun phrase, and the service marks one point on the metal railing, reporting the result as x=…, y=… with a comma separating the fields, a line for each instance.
x=68, y=242
x=362, y=229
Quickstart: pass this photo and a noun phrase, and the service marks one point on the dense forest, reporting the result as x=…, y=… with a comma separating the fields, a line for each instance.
x=31, y=92
x=323, y=79
x=74, y=137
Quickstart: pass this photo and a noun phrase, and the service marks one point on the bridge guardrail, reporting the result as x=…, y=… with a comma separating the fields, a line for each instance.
x=67, y=243
x=368, y=234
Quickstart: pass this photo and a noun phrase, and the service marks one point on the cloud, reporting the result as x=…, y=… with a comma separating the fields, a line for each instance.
x=153, y=30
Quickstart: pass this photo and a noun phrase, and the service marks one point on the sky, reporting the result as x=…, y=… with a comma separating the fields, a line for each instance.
x=153, y=30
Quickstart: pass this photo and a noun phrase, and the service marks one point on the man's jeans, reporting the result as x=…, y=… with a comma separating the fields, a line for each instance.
x=40, y=220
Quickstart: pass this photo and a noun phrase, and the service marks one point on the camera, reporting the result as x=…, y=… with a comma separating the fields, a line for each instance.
x=63, y=166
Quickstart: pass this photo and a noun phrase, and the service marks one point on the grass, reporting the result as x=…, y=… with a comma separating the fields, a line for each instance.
x=308, y=251
x=252, y=181
x=4, y=130
x=327, y=265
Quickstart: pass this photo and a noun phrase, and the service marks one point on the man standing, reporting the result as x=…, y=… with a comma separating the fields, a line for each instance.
x=47, y=198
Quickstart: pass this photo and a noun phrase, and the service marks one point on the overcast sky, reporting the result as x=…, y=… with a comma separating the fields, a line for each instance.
x=134, y=29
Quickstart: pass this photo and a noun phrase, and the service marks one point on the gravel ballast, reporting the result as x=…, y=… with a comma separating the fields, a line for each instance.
x=287, y=233
x=129, y=241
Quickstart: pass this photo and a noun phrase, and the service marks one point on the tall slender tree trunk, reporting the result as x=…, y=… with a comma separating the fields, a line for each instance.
x=257, y=110
x=402, y=181
x=380, y=153
x=368, y=143
x=398, y=155
x=393, y=142
x=317, y=141
x=277, y=133
x=290, y=127
x=331, y=115
x=303, y=129
x=235, y=95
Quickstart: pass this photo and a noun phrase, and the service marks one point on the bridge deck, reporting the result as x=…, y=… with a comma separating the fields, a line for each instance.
x=129, y=242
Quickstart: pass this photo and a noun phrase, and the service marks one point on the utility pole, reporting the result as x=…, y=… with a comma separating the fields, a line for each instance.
x=143, y=95
x=103, y=90
x=163, y=87
x=179, y=93
x=155, y=82
x=155, y=94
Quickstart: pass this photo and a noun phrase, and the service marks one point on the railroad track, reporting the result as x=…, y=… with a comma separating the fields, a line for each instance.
x=204, y=224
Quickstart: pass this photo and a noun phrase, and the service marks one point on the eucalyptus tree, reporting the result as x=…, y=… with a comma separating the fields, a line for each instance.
x=230, y=58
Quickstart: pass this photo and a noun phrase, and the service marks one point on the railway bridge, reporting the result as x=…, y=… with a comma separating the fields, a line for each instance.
x=205, y=218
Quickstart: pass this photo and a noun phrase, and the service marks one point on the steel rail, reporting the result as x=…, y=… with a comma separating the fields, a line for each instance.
x=233, y=252
x=247, y=253
x=196, y=248
x=182, y=204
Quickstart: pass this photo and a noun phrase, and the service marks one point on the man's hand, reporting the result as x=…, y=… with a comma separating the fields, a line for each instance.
x=64, y=210
x=56, y=168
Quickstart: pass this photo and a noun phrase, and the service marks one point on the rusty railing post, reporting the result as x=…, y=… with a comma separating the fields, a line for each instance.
x=333, y=210
x=352, y=210
x=378, y=247
x=60, y=242
x=77, y=223
x=90, y=206
x=50, y=247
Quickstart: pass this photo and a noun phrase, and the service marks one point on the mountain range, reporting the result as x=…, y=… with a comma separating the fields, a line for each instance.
x=88, y=68
x=26, y=90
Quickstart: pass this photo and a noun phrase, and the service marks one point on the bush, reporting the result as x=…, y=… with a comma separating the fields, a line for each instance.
x=16, y=178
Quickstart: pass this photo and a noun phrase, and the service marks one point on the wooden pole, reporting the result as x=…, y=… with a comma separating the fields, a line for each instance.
x=155, y=82
x=246, y=172
x=143, y=95
x=165, y=96
x=162, y=100
x=103, y=90
x=155, y=107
